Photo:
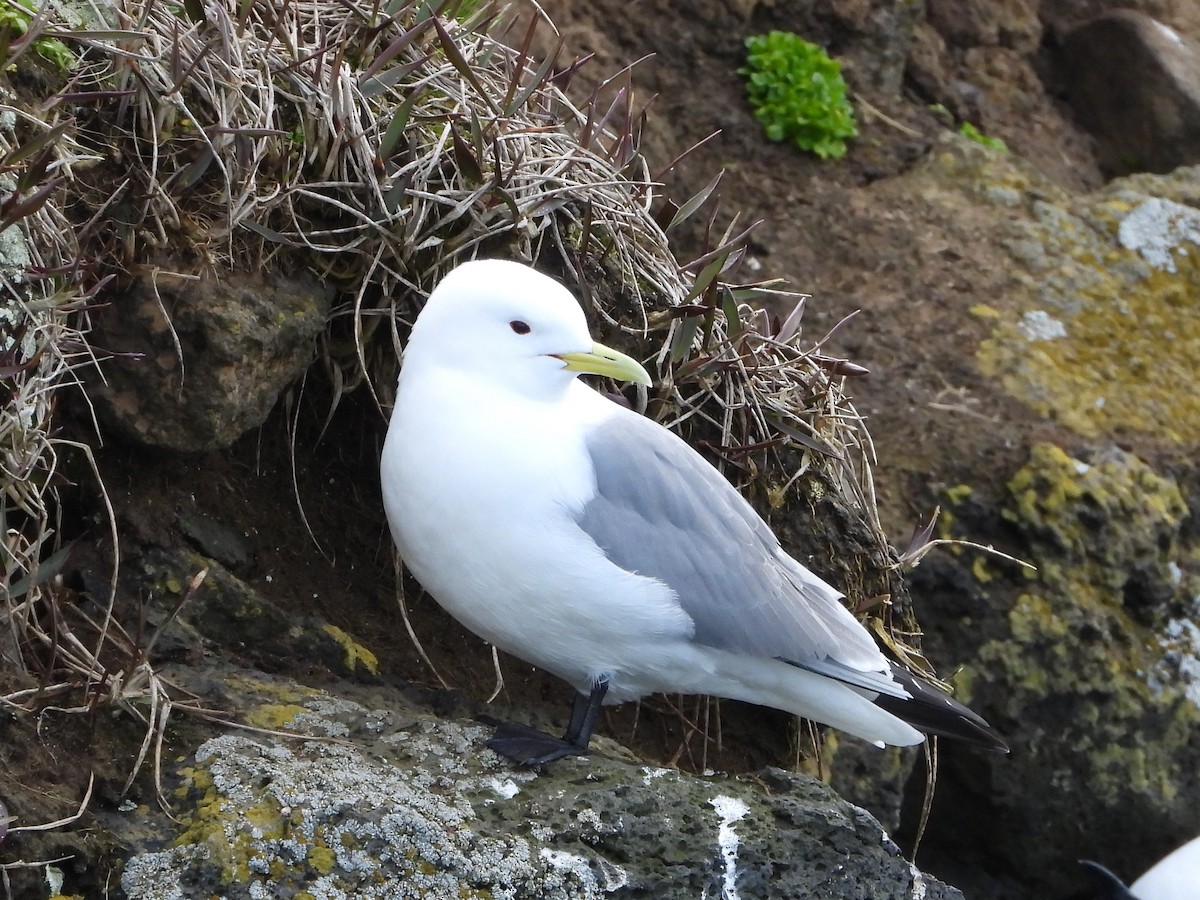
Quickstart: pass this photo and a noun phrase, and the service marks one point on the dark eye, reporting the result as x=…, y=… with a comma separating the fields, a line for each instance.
x=518, y=326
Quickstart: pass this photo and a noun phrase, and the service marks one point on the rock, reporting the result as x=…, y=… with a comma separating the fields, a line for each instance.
x=214, y=539
x=1078, y=311
x=201, y=360
x=235, y=617
x=1101, y=341
x=385, y=800
x=929, y=62
x=987, y=23
x=1087, y=677
x=977, y=60
x=1089, y=667
x=878, y=46
x=1134, y=83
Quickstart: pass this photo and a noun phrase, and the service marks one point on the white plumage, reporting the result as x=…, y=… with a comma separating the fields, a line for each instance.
x=593, y=543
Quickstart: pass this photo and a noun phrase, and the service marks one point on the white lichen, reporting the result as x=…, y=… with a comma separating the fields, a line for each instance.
x=1180, y=663
x=1158, y=229
x=918, y=884
x=356, y=826
x=506, y=788
x=1039, y=325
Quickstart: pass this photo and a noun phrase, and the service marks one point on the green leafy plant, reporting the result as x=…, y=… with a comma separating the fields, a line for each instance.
x=797, y=92
x=968, y=130
x=15, y=20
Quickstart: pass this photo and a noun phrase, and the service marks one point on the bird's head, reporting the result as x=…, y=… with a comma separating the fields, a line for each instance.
x=503, y=321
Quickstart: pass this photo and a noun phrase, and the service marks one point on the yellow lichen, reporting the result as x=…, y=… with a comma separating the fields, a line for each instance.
x=1033, y=616
x=210, y=826
x=284, y=691
x=980, y=570
x=1125, y=362
x=356, y=653
x=274, y=716
x=1087, y=509
x=322, y=859
x=958, y=493
x=266, y=818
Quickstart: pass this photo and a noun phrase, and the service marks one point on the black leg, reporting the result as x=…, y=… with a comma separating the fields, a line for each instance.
x=584, y=713
x=531, y=747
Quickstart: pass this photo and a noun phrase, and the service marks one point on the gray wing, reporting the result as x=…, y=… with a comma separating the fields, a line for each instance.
x=662, y=511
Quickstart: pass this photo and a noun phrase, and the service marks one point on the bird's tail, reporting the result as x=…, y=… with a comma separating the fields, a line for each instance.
x=933, y=711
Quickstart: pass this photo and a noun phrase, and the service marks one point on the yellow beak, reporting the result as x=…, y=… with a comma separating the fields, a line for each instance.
x=601, y=360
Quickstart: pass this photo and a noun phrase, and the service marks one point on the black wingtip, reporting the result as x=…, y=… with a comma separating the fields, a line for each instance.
x=1109, y=885
x=932, y=711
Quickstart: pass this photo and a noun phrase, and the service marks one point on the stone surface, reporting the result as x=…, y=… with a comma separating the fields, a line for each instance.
x=231, y=614
x=988, y=23
x=1074, y=312
x=384, y=800
x=202, y=359
x=1108, y=278
x=1091, y=671
x=1135, y=84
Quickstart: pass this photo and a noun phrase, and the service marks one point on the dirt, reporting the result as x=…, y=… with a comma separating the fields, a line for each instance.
x=833, y=229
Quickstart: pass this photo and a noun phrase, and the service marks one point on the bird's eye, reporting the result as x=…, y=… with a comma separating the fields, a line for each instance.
x=519, y=327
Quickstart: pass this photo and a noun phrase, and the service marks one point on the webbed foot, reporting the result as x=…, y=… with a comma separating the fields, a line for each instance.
x=530, y=747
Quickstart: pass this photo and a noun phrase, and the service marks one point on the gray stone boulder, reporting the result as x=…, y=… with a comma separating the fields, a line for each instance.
x=1134, y=83
x=372, y=796
x=201, y=359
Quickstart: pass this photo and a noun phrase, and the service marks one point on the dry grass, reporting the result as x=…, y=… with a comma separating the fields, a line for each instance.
x=377, y=145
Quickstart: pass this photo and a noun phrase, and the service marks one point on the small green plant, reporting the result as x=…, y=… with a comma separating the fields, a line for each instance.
x=797, y=92
x=15, y=19
x=968, y=130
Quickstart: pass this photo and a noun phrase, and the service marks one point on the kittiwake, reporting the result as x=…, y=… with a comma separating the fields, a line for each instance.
x=1174, y=877
x=594, y=543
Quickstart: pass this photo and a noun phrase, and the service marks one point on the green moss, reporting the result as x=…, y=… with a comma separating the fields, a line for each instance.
x=798, y=93
x=356, y=653
x=971, y=132
x=18, y=20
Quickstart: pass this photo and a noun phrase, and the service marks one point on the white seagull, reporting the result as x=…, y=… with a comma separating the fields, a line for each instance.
x=593, y=543
x=1174, y=877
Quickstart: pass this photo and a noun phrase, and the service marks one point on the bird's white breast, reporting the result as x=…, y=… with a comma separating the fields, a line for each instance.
x=483, y=491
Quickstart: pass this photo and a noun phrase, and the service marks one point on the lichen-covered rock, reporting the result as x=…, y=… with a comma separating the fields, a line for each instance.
x=1091, y=674
x=234, y=616
x=202, y=359
x=388, y=801
x=1104, y=339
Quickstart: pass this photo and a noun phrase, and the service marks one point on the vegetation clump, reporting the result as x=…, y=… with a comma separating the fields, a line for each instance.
x=971, y=132
x=798, y=93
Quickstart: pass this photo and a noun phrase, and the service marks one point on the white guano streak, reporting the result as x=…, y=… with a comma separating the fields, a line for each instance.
x=731, y=810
